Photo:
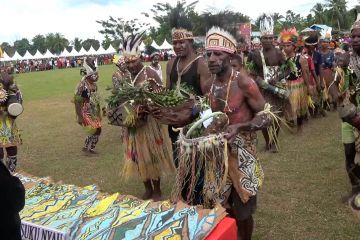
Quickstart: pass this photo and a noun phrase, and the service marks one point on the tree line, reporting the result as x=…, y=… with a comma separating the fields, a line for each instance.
x=332, y=13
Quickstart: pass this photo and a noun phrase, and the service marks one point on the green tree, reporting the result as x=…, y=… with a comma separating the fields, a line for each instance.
x=225, y=19
x=56, y=42
x=77, y=43
x=10, y=50
x=38, y=43
x=338, y=13
x=118, y=28
x=22, y=45
x=169, y=17
x=319, y=13
x=106, y=42
x=91, y=42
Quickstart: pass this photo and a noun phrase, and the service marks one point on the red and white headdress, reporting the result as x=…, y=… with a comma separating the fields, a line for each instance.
x=220, y=40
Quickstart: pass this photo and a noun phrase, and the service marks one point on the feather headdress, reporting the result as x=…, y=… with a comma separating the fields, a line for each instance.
x=288, y=35
x=221, y=40
x=131, y=46
x=266, y=25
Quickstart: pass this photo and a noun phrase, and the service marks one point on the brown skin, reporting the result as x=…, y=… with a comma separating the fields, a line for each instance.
x=181, y=117
x=355, y=37
x=184, y=50
x=135, y=66
x=245, y=97
x=155, y=61
x=273, y=57
x=236, y=65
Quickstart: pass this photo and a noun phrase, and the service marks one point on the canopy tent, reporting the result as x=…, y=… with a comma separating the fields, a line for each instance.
x=91, y=51
x=48, y=54
x=165, y=45
x=38, y=55
x=101, y=50
x=28, y=55
x=142, y=46
x=82, y=52
x=16, y=56
x=5, y=58
x=154, y=45
x=66, y=53
x=110, y=50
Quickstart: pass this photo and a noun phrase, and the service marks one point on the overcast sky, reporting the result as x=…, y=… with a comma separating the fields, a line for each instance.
x=76, y=18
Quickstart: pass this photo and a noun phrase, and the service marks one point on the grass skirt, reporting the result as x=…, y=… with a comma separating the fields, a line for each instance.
x=9, y=133
x=148, y=152
x=297, y=104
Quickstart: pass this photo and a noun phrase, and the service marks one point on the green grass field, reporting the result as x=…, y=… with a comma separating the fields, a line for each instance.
x=304, y=183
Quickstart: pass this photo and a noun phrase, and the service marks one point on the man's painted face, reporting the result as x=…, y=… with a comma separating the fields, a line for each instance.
x=181, y=47
x=133, y=65
x=267, y=41
x=355, y=39
x=218, y=61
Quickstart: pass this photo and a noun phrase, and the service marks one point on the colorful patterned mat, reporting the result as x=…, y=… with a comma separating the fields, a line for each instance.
x=66, y=212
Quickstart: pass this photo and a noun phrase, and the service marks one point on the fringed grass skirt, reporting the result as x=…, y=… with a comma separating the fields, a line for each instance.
x=148, y=152
x=9, y=133
x=297, y=104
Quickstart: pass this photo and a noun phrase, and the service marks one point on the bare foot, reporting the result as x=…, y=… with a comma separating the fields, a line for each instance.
x=156, y=196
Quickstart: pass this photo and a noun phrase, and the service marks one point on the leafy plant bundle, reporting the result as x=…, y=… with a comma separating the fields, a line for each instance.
x=145, y=95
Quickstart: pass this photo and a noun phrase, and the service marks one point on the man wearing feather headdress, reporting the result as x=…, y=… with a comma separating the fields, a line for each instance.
x=237, y=95
x=347, y=84
x=87, y=104
x=147, y=151
x=264, y=65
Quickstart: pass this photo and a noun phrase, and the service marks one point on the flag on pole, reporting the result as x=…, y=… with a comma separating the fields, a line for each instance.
x=1, y=53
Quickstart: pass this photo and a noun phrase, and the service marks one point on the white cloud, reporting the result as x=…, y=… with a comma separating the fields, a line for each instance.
x=21, y=18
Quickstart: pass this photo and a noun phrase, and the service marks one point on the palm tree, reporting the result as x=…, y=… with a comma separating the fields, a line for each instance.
x=319, y=14
x=338, y=11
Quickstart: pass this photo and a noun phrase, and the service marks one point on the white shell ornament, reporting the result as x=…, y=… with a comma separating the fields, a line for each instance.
x=3, y=95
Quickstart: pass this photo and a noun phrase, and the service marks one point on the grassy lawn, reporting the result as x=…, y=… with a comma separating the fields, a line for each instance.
x=303, y=184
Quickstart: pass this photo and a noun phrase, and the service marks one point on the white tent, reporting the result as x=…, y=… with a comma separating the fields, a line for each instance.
x=5, y=58
x=16, y=56
x=38, y=55
x=154, y=45
x=28, y=55
x=142, y=46
x=48, y=54
x=110, y=50
x=101, y=51
x=165, y=45
x=65, y=53
x=92, y=51
x=82, y=52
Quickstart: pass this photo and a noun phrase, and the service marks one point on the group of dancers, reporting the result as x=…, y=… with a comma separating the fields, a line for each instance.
x=295, y=78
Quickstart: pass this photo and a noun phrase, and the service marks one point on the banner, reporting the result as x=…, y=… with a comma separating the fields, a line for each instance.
x=31, y=231
x=245, y=32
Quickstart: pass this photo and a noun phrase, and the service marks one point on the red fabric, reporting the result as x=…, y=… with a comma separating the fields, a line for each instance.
x=225, y=230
